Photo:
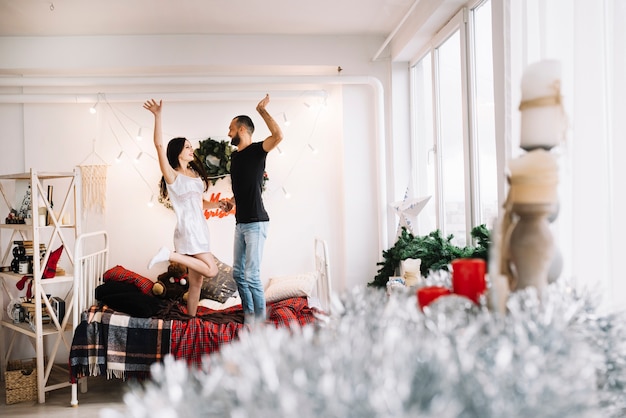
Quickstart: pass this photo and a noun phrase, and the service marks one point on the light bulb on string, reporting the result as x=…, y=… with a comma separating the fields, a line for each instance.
x=286, y=121
x=316, y=103
x=118, y=159
x=151, y=202
x=139, y=135
x=93, y=109
x=138, y=157
x=312, y=148
x=280, y=151
x=286, y=193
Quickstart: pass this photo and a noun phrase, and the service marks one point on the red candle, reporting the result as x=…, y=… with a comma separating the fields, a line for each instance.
x=426, y=295
x=468, y=277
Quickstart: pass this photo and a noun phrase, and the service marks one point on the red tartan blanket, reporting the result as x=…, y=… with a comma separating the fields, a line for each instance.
x=193, y=339
x=118, y=345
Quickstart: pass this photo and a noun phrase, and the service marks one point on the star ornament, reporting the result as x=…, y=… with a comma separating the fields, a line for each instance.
x=407, y=210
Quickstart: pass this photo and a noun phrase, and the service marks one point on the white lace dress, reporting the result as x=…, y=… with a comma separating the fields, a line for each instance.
x=191, y=235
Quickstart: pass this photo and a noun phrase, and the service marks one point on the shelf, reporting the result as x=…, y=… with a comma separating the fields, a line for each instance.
x=47, y=237
x=41, y=175
x=24, y=227
x=56, y=279
x=24, y=328
x=17, y=227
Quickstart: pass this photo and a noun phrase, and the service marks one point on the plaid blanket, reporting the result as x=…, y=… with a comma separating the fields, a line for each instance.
x=116, y=344
x=193, y=339
x=121, y=346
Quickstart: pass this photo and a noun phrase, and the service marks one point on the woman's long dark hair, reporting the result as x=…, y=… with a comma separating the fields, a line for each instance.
x=174, y=148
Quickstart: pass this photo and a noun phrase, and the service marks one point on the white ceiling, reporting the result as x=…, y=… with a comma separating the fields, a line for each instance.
x=250, y=17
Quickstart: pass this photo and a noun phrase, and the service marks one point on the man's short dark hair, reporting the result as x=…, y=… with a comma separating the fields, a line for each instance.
x=245, y=121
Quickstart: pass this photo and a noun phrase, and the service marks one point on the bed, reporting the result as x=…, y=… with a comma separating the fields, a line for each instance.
x=117, y=344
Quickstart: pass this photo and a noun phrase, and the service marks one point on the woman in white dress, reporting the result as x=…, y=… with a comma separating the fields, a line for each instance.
x=184, y=181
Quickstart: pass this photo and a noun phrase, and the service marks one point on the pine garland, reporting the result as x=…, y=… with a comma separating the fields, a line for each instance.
x=435, y=251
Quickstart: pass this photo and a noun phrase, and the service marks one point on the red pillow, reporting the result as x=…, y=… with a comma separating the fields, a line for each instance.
x=120, y=274
x=51, y=266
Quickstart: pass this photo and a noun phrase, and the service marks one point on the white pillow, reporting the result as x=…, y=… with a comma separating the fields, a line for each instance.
x=285, y=287
x=234, y=300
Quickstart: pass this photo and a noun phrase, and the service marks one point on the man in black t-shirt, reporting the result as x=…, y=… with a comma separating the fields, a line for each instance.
x=246, y=171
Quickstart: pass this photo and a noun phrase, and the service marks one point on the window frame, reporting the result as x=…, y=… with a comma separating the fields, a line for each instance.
x=462, y=22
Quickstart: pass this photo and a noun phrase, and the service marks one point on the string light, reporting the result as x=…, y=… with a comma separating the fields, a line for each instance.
x=286, y=121
x=93, y=109
x=319, y=103
x=122, y=152
x=316, y=104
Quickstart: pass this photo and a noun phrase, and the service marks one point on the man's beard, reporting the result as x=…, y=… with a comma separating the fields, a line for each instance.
x=235, y=140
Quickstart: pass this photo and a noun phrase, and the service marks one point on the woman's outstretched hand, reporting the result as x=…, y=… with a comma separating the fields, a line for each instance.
x=153, y=106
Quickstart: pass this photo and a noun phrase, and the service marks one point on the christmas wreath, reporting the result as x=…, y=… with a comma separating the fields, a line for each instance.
x=215, y=155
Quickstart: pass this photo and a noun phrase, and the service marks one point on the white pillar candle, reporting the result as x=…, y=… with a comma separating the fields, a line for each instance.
x=542, y=115
x=534, y=177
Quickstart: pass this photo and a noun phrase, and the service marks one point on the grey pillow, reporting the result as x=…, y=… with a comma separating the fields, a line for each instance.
x=220, y=287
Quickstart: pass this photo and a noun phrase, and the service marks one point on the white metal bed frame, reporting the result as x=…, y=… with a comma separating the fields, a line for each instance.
x=91, y=260
x=322, y=266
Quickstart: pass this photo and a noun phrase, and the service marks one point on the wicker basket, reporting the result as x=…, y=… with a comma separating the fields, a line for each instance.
x=21, y=381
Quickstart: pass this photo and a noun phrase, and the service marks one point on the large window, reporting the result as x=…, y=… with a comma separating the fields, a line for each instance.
x=454, y=126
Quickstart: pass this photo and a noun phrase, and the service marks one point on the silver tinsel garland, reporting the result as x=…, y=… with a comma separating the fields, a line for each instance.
x=380, y=356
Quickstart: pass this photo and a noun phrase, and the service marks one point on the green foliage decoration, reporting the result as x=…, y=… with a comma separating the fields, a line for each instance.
x=435, y=251
x=215, y=155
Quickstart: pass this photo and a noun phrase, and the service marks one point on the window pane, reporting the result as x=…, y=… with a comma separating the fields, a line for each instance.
x=423, y=82
x=485, y=123
x=450, y=123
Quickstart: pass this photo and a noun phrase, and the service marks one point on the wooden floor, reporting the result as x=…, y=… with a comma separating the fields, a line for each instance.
x=102, y=394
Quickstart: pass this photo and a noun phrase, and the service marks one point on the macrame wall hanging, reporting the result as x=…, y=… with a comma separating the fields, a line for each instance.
x=94, y=180
x=93, y=172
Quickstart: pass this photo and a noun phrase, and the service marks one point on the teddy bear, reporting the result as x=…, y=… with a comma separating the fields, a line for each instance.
x=173, y=283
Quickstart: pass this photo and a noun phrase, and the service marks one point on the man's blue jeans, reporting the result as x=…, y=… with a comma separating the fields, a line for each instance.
x=248, y=251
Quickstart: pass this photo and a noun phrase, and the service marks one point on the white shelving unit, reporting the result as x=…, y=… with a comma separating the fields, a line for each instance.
x=66, y=201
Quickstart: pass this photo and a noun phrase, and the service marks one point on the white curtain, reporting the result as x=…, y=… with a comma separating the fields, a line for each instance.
x=589, y=39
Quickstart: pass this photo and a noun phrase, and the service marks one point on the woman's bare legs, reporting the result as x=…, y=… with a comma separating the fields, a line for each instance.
x=193, y=297
x=199, y=265
x=203, y=263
